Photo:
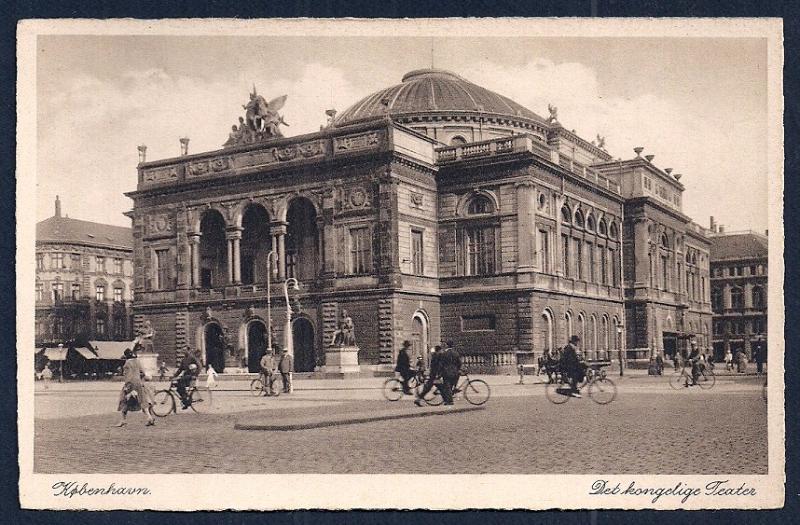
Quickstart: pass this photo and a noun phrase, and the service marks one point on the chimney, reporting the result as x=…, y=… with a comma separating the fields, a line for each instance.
x=711, y=224
x=58, y=207
x=721, y=228
x=185, y=146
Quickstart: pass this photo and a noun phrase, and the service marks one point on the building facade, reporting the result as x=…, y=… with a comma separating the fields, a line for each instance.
x=433, y=210
x=84, y=281
x=739, y=291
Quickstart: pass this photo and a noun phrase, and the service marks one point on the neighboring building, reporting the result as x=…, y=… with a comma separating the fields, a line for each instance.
x=433, y=210
x=84, y=281
x=739, y=291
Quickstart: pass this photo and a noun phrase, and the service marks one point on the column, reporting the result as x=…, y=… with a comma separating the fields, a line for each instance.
x=557, y=244
x=642, y=257
x=235, y=238
x=526, y=225
x=280, y=254
x=230, y=258
x=194, y=245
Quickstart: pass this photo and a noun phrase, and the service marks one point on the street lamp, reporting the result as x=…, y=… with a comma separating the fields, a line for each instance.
x=619, y=349
x=270, y=258
x=291, y=281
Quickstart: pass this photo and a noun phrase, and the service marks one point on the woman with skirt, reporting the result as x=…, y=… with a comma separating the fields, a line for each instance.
x=135, y=395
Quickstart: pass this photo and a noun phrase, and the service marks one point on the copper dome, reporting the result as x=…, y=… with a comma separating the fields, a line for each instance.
x=435, y=91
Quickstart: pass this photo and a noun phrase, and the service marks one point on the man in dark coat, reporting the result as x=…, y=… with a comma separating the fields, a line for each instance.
x=187, y=371
x=573, y=364
x=403, y=366
x=434, y=373
x=285, y=367
x=450, y=370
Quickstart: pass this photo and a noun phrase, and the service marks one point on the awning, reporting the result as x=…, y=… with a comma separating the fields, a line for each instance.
x=86, y=353
x=56, y=354
x=110, y=349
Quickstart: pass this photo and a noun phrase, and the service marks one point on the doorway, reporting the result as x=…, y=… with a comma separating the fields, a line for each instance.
x=305, y=358
x=256, y=344
x=419, y=338
x=215, y=347
x=670, y=342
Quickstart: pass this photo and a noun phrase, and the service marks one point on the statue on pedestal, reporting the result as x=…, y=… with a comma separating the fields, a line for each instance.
x=144, y=339
x=344, y=336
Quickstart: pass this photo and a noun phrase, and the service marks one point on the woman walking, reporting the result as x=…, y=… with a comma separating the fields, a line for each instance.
x=135, y=395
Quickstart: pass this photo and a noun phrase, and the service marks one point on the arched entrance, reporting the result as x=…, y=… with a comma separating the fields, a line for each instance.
x=305, y=358
x=256, y=344
x=301, y=240
x=419, y=337
x=214, y=346
x=213, y=254
x=255, y=245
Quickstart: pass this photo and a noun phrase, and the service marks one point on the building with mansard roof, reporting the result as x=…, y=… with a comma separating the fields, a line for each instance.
x=433, y=210
x=84, y=281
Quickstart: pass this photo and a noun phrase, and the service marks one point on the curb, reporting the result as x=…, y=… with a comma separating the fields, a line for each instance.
x=351, y=419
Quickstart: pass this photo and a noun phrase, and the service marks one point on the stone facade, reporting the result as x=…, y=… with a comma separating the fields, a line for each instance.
x=505, y=238
x=84, y=281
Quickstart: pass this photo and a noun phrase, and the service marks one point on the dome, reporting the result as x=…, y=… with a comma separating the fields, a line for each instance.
x=426, y=91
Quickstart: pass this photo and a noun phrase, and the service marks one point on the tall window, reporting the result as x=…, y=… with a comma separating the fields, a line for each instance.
x=716, y=299
x=417, y=256
x=664, y=272
x=58, y=291
x=758, y=297
x=737, y=298
x=603, y=266
x=544, y=251
x=40, y=261
x=76, y=261
x=57, y=261
x=76, y=291
x=614, y=267
x=118, y=266
x=100, y=327
x=579, y=259
x=101, y=264
x=39, y=289
x=480, y=250
x=590, y=262
x=163, y=270
x=359, y=250
x=117, y=294
x=565, y=266
x=100, y=292
x=479, y=205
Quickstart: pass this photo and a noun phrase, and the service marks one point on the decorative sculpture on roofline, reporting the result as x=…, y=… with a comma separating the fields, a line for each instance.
x=261, y=121
x=601, y=141
x=553, y=118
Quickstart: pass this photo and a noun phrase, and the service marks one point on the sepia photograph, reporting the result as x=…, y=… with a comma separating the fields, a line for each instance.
x=354, y=263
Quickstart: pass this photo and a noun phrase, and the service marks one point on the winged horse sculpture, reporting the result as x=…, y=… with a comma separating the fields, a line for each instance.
x=262, y=117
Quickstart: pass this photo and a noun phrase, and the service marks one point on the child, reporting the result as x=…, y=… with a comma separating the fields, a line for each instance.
x=211, y=380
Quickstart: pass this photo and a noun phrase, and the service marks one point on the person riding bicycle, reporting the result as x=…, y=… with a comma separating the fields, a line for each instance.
x=187, y=372
x=573, y=364
x=403, y=366
x=434, y=373
x=695, y=360
x=267, y=365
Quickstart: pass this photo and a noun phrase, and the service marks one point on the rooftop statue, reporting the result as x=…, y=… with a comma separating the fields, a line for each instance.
x=553, y=114
x=601, y=141
x=261, y=121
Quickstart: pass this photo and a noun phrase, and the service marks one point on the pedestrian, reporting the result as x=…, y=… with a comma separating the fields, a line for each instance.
x=729, y=360
x=135, y=395
x=758, y=355
x=286, y=367
x=573, y=364
x=267, y=365
x=162, y=370
x=211, y=378
x=434, y=374
x=741, y=362
x=659, y=364
x=676, y=360
x=451, y=370
x=403, y=366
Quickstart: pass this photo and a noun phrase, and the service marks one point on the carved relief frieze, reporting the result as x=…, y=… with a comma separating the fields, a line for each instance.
x=207, y=167
x=287, y=153
x=356, y=142
x=160, y=224
x=354, y=198
x=416, y=199
x=161, y=175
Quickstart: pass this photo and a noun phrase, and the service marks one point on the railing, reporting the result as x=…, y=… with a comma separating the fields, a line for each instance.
x=489, y=360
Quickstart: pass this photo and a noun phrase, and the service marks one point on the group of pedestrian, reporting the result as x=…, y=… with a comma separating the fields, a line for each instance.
x=444, y=370
x=284, y=366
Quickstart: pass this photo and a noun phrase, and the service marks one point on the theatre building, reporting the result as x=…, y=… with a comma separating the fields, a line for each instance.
x=432, y=210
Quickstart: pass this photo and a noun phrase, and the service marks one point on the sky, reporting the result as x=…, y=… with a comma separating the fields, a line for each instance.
x=698, y=104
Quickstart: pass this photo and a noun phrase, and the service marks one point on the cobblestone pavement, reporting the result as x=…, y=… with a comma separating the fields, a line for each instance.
x=649, y=429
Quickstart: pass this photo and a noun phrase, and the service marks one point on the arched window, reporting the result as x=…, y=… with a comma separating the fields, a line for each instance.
x=579, y=219
x=582, y=330
x=664, y=241
x=602, y=229
x=590, y=224
x=612, y=231
x=604, y=336
x=568, y=326
x=616, y=336
x=566, y=215
x=758, y=297
x=458, y=140
x=479, y=205
x=737, y=298
x=547, y=331
x=591, y=343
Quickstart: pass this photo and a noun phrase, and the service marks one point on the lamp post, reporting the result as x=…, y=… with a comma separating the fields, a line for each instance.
x=619, y=349
x=270, y=257
x=61, y=363
x=291, y=281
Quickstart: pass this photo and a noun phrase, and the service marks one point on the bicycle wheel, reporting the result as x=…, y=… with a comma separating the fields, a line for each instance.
x=256, y=387
x=274, y=387
x=764, y=391
x=476, y=392
x=557, y=392
x=201, y=400
x=677, y=380
x=413, y=383
x=602, y=391
x=163, y=403
x=392, y=389
x=706, y=380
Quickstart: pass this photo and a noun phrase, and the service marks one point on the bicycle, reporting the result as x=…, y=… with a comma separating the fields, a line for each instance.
x=601, y=389
x=764, y=391
x=393, y=387
x=164, y=401
x=706, y=378
x=476, y=391
x=258, y=388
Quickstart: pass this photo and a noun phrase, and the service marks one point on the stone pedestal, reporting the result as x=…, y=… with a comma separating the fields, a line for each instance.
x=148, y=362
x=341, y=362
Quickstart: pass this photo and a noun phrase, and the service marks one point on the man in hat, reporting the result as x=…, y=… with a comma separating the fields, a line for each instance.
x=403, y=366
x=451, y=370
x=267, y=365
x=187, y=371
x=285, y=367
x=573, y=364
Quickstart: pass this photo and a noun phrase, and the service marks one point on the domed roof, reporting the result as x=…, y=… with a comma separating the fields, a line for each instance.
x=435, y=91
